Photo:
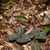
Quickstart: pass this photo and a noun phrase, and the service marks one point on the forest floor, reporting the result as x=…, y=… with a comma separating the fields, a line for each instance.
x=32, y=16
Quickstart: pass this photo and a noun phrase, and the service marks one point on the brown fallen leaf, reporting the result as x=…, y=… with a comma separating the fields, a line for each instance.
x=4, y=20
x=43, y=47
x=24, y=23
x=1, y=17
x=29, y=30
x=48, y=23
x=4, y=45
x=29, y=48
x=25, y=47
x=1, y=46
x=10, y=31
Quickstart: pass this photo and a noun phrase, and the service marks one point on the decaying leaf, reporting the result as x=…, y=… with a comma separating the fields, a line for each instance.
x=28, y=31
x=4, y=21
x=46, y=20
x=1, y=47
x=25, y=47
x=43, y=47
x=1, y=17
x=9, y=31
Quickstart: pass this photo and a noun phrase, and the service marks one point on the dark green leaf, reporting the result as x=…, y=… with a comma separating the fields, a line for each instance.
x=31, y=35
x=20, y=30
x=36, y=30
x=33, y=32
x=41, y=35
x=23, y=40
x=25, y=36
x=35, y=46
x=11, y=37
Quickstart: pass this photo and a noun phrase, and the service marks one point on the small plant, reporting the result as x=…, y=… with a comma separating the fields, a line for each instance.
x=36, y=46
x=20, y=37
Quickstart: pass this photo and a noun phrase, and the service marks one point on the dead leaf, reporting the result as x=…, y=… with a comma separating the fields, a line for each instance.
x=10, y=31
x=46, y=20
x=29, y=30
x=43, y=47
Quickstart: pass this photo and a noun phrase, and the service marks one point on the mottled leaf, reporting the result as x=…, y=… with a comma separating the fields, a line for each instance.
x=35, y=46
x=20, y=30
x=25, y=36
x=11, y=37
x=41, y=35
x=23, y=40
x=31, y=35
x=33, y=32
